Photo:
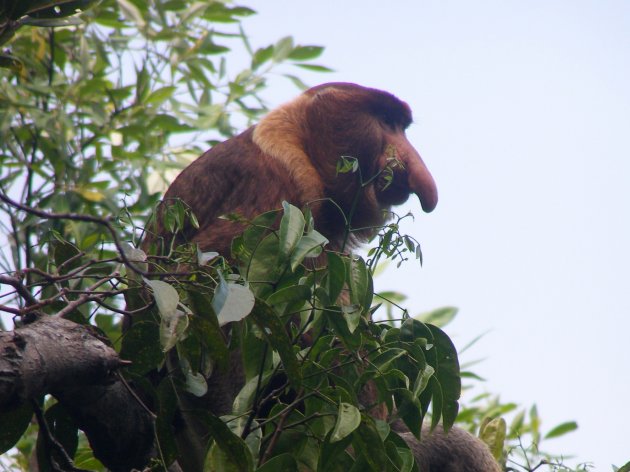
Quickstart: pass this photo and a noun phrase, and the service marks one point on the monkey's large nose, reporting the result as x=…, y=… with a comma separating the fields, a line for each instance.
x=419, y=178
x=423, y=185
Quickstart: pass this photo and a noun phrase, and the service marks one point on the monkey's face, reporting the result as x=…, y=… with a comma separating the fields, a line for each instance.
x=369, y=125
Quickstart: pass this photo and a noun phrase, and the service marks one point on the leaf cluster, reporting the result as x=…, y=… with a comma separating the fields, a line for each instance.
x=301, y=319
x=105, y=110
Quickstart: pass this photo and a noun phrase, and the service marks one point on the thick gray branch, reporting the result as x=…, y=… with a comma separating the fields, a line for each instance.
x=58, y=357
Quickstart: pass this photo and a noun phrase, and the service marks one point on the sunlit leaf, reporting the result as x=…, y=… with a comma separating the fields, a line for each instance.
x=562, y=429
x=282, y=49
x=232, y=302
x=439, y=317
x=166, y=297
x=305, y=53
x=131, y=12
x=493, y=433
x=348, y=419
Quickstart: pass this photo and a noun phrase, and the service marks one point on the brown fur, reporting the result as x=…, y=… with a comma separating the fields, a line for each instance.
x=292, y=155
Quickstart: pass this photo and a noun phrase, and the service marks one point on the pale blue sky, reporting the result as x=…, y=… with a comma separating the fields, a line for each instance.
x=522, y=112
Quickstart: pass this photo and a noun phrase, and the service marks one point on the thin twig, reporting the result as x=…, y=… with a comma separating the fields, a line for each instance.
x=76, y=217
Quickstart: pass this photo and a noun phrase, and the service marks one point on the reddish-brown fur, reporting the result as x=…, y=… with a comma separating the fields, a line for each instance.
x=292, y=155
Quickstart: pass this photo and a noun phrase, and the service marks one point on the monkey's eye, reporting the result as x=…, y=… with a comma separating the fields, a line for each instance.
x=389, y=121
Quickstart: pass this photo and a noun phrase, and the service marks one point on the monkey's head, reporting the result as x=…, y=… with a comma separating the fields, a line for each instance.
x=312, y=133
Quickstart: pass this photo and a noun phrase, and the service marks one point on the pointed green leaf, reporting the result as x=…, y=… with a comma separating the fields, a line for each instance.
x=493, y=433
x=305, y=53
x=166, y=297
x=282, y=462
x=14, y=421
x=348, y=419
x=274, y=331
x=232, y=302
x=291, y=230
x=229, y=452
x=562, y=429
x=310, y=245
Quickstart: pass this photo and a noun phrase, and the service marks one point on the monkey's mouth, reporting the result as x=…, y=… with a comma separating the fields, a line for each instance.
x=391, y=186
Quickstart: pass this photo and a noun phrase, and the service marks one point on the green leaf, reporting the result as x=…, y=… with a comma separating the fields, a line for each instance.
x=217, y=12
x=624, y=468
x=334, y=454
x=422, y=380
x=132, y=13
x=439, y=317
x=166, y=297
x=409, y=410
x=315, y=68
x=261, y=56
x=232, y=302
x=562, y=429
x=136, y=256
x=173, y=322
x=142, y=345
x=352, y=315
x=335, y=277
x=383, y=360
x=229, y=452
x=359, y=281
x=244, y=400
x=338, y=322
x=370, y=448
x=493, y=433
x=14, y=421
x=282, y=49
x=310, y=245
x=291, y=230
x=290, y=298
x=283, y=462
x=348, y=419
x=442, y=356
x=168, y=123
x=262, y=270
x=305, y=53
x=63, y=427
x=172, y=329
x=158, y=96
x=275, y=333
x=205, y=330
x=142, y=83
x=296, y=81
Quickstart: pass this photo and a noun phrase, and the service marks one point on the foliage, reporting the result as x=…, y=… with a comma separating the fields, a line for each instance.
x=315, y=411
x=95, y=114
x=103, y=109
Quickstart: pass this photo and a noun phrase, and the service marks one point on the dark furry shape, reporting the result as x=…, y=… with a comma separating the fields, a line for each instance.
x=292, y=155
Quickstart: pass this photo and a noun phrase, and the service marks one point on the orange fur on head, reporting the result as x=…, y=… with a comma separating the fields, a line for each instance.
x=280, y=135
